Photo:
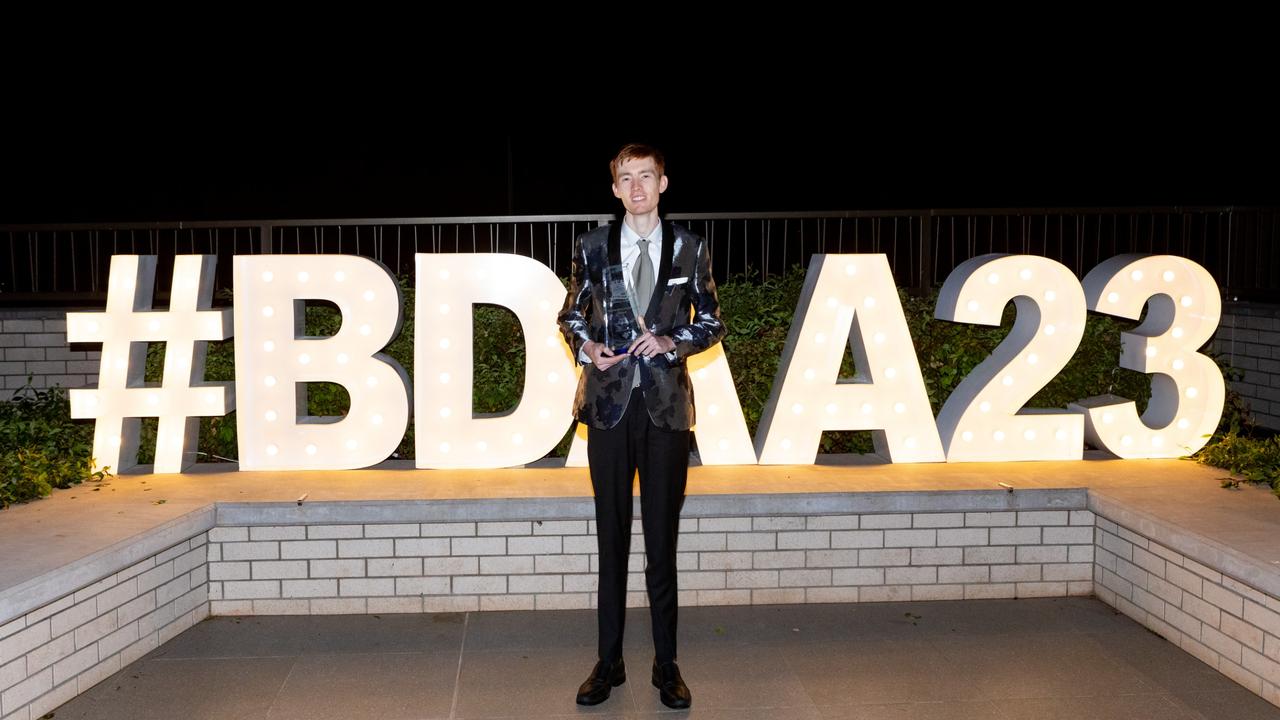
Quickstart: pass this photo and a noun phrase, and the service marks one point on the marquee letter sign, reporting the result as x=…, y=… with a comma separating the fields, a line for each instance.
x=847, y=301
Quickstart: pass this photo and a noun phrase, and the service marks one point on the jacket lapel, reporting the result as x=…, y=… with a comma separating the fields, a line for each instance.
x=664, y=271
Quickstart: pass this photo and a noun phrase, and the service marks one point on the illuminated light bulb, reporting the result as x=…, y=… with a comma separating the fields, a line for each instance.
x=444, y=378
x=304, y=359
x=820, y=338
x=1186, y=301
x=339, y=276
x=444, y=308
x=303, y=276
x=869, y=301
x=797, y=408
x=91, y=401
x=723, y=444
x=1127, y=440
x=343, y=359
x=272, y=449
x=92, y=326
x=553, y=377
x=1032, y=359
x=1108, y=418
x=269, y=381
x=1029, y=435
x=1177, y=332
x=866, y=408
x=973, y=306
x=268, y=311
x=899, y=407
x=910, y=442
x=553, y=340
x=966, y=436
x=376, y=419
x=270, y=415
x=984, y=406
x=1157, y=441
x=445, y=412
x=444, y=275
x=890, y=373
x=482, y=446
x=1168, y=276
x=544, y=305
x=701, y=374
x=850, y=269
x=371, y=381
x=311, y=449
x=998, y=435
x=879, y=338
x=153, y=399
x=993, y=278
x=786, y=443
x=1192, y=392
x=1049, y=329
x=1007, y=381
x=115, y=441
x=1060, y=435
x=1136, y=275
x=444, y=343
x=809, y=374
x=268, y=276
x=368, y=296
x=832, y=408
x=154, y=325
x=1050, y=295
x=1025, y=273
x=1113, y=297
x=119, y=363
x=1178, y=364
x=444, y=447
x=1183, y=424
x=713, y=409
x=832, y=302
x=517, y=439
x=366, y=329
x=351, y=444
x=1151, y=351
x=268, y=346
x=544, y=413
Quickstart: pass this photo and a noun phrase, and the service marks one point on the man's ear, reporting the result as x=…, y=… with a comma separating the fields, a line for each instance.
x=619, y=195
x=662, y=185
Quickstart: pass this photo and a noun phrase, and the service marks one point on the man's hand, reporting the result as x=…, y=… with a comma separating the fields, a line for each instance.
x=601, y=356
x=648, y=344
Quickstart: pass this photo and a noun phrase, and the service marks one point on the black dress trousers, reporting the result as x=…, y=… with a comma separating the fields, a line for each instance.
x=662, y=458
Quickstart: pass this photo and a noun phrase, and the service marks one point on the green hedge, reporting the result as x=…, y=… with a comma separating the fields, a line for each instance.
x=41, y=448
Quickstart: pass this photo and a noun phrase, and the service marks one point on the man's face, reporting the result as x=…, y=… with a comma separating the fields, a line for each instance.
x=638, y=185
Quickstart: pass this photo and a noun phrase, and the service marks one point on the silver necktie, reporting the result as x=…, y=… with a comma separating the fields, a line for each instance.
x=643, y=276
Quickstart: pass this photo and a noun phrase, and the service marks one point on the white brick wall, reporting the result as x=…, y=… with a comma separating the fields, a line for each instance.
x=1249, y=339
x=736, y=560
x=1223, y=622
x=34, y=343
x=60, y=650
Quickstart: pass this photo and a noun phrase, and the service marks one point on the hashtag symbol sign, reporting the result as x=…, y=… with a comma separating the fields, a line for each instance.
x=123, y=397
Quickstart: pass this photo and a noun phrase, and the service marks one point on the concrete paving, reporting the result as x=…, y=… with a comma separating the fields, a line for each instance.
x=989, y=660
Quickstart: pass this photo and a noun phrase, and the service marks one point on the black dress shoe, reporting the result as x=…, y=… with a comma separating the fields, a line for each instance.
x=604, y=678
x=671, y=688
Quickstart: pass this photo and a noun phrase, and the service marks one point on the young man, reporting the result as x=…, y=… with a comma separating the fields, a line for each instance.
x=628, y=320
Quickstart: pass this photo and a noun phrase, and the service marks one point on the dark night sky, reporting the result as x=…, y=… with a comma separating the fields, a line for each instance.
x=162, y=167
